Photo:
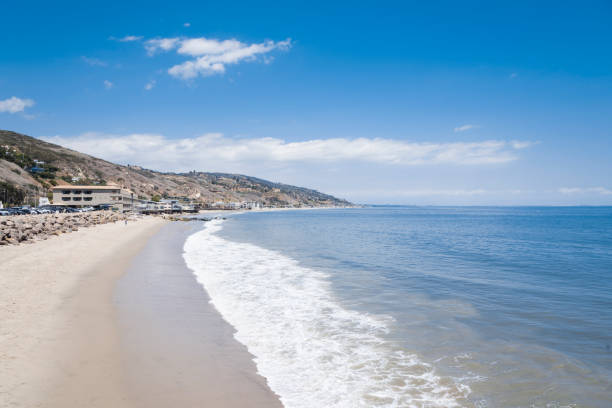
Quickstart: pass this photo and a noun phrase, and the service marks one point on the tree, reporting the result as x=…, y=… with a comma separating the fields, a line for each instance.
x=10, y=194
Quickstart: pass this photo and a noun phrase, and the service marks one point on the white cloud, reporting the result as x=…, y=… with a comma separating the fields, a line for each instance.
x=585, y=190
x=465, y=127
x=94, y=62
x=211, y=56
x=213, y=151
x=150, y=85
x=130, y=38
x=430, y=192
x=518, y=144
x=160, y=44
x=187, y=25
x=108, y=84
x=15, y=105
x=434, y=192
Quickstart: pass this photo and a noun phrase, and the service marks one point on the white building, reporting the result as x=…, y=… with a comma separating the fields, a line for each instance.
x=86, y=196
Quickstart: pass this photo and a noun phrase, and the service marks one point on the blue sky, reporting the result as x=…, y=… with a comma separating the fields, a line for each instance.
x=377, y=102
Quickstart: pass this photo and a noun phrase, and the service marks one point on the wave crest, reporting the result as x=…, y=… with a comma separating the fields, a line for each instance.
x=312, y=351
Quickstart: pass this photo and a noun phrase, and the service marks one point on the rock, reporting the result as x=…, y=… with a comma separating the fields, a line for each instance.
x=30, y=228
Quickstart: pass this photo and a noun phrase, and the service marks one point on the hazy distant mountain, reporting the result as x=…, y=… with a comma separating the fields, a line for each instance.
x=29, y=165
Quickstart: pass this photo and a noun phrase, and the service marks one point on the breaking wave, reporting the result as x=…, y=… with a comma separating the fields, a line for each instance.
x=313, y=351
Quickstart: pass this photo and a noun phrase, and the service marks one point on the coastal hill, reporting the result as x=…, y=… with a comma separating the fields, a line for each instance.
x=30, y=167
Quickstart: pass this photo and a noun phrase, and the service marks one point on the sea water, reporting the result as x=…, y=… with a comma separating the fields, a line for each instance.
x=418, y=306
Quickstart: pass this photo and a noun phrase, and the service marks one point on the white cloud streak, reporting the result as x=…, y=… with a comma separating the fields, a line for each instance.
x=427, y=193
x=108, y=84
x=94, y=62
x=150, y=85
x=214, y=151
x=465, y=127
x=130, y=38
x=518, y=144
x=585, y=190
x=15, y=105
x=160, y=44
x=210, y=56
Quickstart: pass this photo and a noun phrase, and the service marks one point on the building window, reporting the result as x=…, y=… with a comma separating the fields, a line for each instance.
x=76, y=198
x=88, y=198
x=76, y=191
x=65, y=198
x=66, y=192
x=87, y=192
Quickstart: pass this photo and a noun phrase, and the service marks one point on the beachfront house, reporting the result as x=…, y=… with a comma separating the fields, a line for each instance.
x=90, y=196
x=36, y=170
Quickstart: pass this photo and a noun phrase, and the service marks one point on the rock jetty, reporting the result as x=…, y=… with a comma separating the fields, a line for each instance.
x=29, y=228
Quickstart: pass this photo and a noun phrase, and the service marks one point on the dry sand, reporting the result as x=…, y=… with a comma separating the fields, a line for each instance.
x=58, y=335
x=109, y=316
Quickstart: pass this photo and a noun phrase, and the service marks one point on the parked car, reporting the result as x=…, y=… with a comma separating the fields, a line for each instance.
x=87, y=209
x=103, y=207
x=4, y=212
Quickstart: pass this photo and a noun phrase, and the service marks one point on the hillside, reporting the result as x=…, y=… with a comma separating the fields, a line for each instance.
x=54, y=164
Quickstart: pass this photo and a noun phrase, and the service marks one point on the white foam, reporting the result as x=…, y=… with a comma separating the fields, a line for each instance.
x=313, y=352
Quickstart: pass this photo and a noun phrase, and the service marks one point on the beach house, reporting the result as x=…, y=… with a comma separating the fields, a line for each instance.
x=90, y=196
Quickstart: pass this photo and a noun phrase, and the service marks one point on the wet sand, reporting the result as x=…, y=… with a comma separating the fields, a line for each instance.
x=178, y=351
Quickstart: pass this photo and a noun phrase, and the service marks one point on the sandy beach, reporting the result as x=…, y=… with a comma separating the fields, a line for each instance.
x=172, y=334
x=68, y=340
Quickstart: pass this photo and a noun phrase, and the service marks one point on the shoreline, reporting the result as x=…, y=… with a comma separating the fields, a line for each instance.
x=176, y=347
x=77, y=326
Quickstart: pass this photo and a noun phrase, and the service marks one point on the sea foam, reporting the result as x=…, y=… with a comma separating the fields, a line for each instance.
x=313, y=351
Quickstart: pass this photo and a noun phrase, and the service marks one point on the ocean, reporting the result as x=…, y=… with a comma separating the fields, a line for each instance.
x=418, y=306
